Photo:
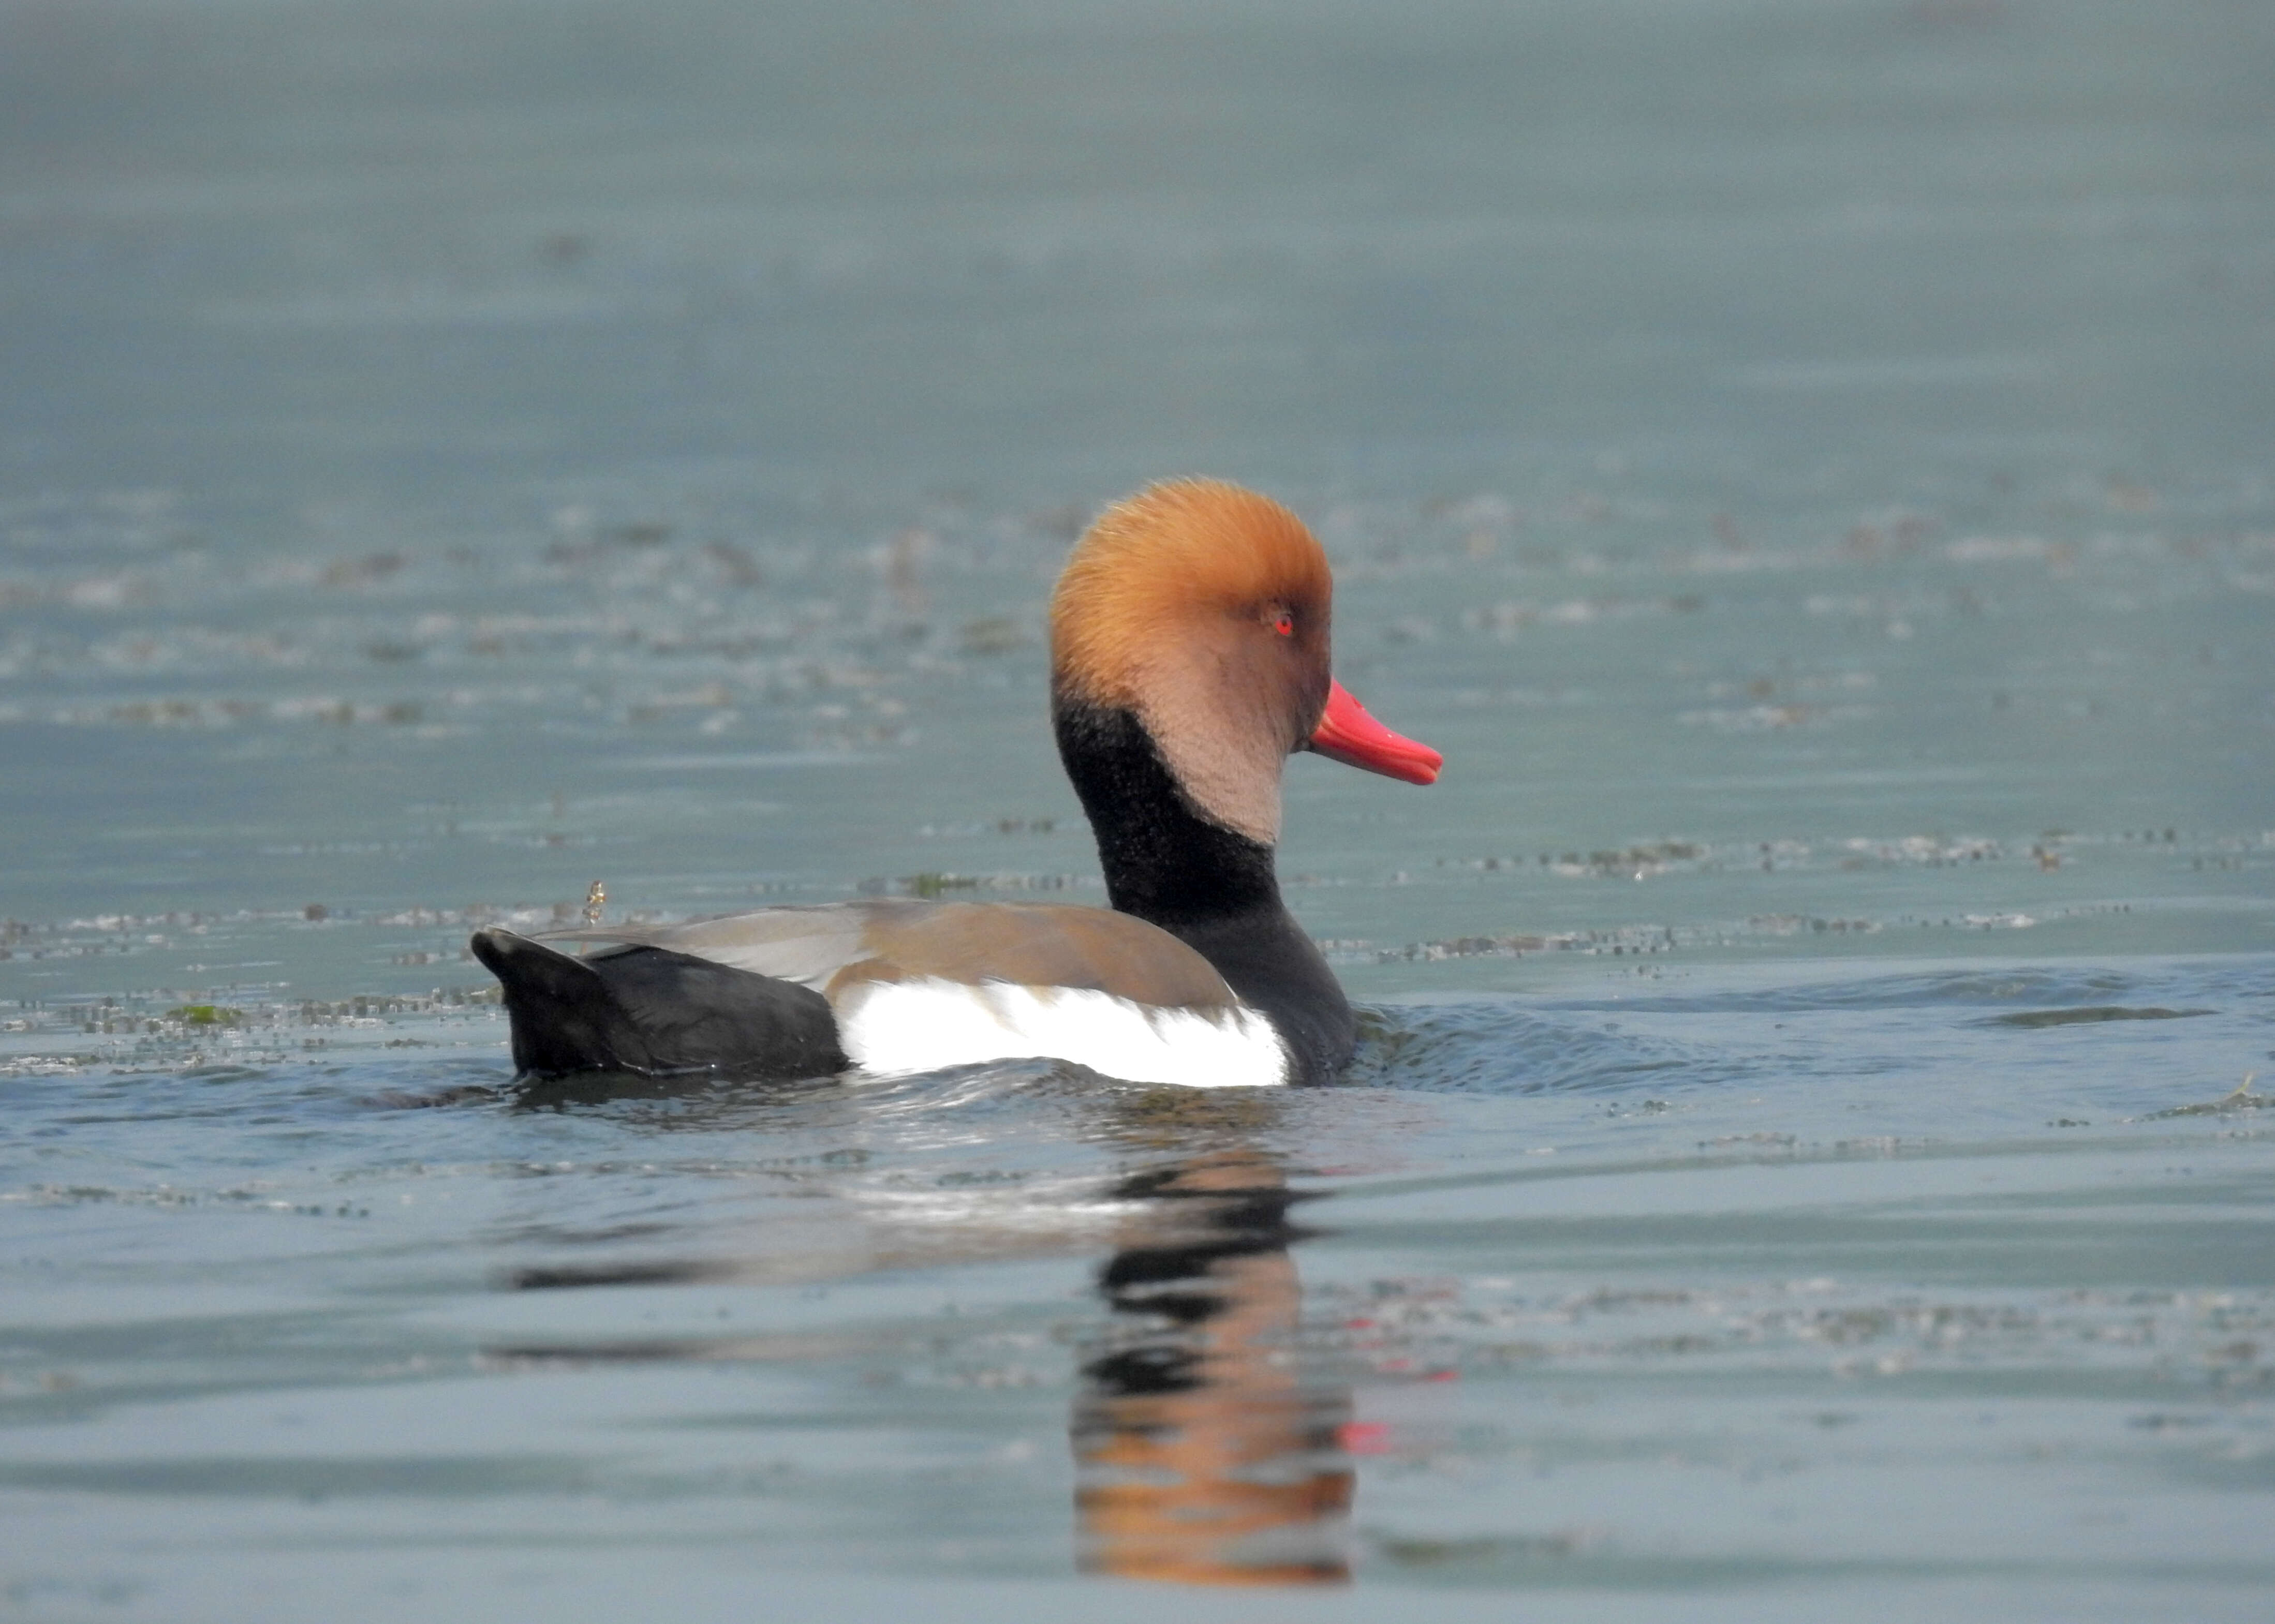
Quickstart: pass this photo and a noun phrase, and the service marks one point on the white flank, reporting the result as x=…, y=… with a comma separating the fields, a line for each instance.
x=895, y=1028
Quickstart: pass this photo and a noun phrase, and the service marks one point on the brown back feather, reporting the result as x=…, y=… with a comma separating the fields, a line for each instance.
x=1038, y=945
x=839, y=946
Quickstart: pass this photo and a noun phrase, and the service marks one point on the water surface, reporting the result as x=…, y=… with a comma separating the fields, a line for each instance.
x=1804, y=463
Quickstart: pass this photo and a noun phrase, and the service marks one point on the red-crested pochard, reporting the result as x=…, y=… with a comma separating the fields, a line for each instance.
x=1189, y=659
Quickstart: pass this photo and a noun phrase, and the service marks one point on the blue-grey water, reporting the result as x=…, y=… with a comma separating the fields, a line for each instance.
x=1806, y=463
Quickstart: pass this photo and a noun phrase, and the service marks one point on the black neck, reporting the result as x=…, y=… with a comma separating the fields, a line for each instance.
x=1211, y=887
x=1164, y=861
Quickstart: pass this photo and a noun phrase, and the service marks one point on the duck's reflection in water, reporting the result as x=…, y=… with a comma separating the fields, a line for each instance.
x=1207, y=1443
x=1205, y=1454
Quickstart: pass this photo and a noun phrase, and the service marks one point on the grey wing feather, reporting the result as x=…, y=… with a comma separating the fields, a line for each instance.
x=807, y=945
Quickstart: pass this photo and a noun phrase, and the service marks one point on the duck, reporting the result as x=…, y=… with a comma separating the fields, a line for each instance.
x=1190, y=658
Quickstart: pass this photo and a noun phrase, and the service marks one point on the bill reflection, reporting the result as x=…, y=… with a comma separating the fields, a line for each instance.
x=1205, y=1453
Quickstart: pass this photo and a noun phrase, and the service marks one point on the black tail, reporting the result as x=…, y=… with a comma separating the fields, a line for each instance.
x=655, y=1012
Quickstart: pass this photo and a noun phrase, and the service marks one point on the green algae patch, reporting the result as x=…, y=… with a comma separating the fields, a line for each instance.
x=2091, y=1015
x=932, y=885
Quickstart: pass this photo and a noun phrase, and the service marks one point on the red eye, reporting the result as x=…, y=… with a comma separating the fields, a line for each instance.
x=1285, y=625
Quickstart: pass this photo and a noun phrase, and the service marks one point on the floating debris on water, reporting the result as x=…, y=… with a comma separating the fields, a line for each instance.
x=2242, y=1100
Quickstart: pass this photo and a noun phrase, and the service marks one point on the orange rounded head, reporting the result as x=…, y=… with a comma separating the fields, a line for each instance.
x=1205, y=608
